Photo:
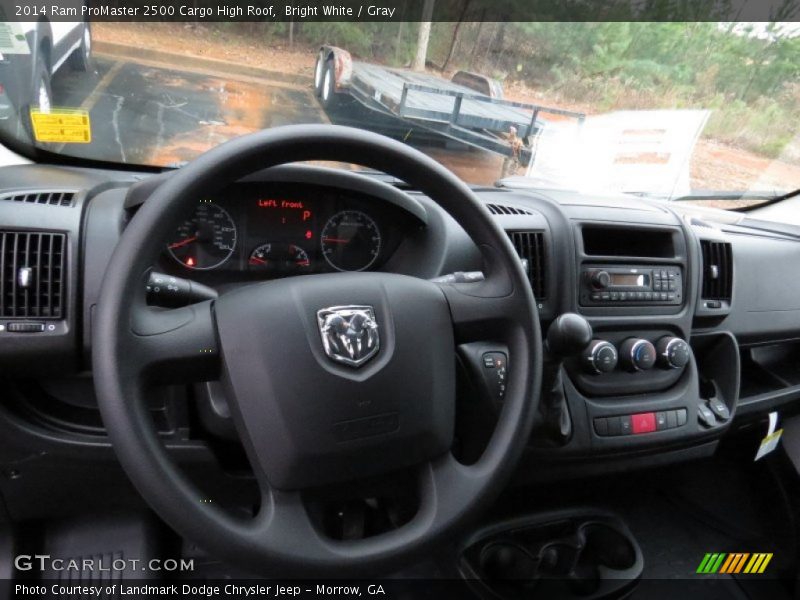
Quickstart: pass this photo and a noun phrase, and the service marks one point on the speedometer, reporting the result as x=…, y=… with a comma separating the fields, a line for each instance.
x=206, y=240
x=351, y=241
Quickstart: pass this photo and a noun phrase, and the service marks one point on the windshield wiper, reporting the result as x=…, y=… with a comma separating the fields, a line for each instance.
x=767, y=198
x=785, y=196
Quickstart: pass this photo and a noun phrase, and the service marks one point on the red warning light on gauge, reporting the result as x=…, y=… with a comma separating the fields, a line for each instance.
x=190, y=262
x=309, y=234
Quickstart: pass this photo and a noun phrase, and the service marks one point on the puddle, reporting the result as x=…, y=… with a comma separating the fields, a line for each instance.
x=241, y=108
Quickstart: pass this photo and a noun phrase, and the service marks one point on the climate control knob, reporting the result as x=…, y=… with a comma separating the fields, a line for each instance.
x=673, y=352
x=637, y=354
x=600, y=357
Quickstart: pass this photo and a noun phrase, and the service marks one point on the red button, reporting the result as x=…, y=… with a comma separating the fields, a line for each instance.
x=643, y=422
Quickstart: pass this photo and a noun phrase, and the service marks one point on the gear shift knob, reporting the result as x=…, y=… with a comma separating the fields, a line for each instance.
x=568, y=335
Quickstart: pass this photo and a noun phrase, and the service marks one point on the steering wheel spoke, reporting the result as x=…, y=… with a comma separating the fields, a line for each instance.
x=479, y=317
x=284, y=521
x=174, y=345
x=442, y=482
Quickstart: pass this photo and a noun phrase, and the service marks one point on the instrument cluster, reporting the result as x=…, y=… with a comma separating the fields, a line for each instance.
x=278, y=230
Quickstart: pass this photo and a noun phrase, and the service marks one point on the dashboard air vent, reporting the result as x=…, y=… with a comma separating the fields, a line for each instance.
x=717, y=270
x=504, y=209
x=530, y=247
x=32, y=275
x=50, y=197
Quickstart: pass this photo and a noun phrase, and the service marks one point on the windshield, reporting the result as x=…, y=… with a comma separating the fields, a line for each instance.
x=662, y=109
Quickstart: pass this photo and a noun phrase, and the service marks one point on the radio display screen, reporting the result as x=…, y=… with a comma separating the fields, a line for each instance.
x=629, y=280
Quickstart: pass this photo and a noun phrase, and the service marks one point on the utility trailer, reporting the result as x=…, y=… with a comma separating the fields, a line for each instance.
x=468, y=109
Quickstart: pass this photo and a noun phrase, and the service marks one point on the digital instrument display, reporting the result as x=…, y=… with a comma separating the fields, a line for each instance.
x=289, y=220
x=284, y=232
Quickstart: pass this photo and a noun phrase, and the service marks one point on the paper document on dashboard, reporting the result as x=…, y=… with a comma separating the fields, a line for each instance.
x=635, y=151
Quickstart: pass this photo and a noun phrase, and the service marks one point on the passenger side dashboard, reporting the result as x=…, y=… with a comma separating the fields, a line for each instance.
x=730, y=292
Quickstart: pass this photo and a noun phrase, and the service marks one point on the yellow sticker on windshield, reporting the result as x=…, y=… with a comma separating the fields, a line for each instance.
x=64, y=125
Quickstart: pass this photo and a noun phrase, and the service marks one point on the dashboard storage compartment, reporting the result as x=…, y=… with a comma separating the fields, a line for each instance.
x=780, y=361
x=758, y=377
x=565, y=554
x=770, y=376
x=628, y=242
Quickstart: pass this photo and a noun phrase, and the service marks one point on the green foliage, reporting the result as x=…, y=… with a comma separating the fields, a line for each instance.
x=750, y=81
x=390, y=43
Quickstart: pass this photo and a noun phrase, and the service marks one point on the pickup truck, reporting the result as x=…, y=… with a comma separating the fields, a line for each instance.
x=30, y=53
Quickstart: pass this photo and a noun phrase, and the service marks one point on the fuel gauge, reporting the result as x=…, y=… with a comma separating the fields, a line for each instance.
x=298, y=257
x=261, y=258
x=279, y=258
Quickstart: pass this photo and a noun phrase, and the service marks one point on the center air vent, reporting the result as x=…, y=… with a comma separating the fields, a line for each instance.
x=530, y=247
x=31, y=275
x=49, y=197
x=717, y=272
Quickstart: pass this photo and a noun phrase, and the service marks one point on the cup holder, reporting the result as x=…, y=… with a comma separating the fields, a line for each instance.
x=608, y=547
x=578, y=554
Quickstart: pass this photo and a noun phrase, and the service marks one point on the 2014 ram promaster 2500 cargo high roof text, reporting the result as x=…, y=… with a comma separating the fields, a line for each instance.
x=471, y=306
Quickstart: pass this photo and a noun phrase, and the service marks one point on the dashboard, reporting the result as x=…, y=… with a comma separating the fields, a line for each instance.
x=695, y=313
x=264, y=231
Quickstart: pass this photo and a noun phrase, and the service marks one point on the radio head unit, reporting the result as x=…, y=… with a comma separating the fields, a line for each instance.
x=605, y=285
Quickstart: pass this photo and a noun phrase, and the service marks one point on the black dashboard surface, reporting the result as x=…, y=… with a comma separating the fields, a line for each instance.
x=299, y=221
x=292, y=208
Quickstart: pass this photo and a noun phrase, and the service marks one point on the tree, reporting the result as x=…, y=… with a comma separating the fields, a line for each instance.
x=423, y=36
x=454, y=39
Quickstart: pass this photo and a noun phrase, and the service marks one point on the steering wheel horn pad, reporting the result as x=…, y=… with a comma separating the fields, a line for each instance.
x=312, y=421
x=303, y=418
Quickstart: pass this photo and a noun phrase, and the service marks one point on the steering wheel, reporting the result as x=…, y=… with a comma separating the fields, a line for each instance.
x=305, y=416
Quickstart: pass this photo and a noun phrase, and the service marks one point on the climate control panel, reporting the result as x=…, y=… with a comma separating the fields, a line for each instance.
x=635, y=354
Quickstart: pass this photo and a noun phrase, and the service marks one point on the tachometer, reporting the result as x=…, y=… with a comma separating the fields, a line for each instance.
x=206, y=240
x=351, y=241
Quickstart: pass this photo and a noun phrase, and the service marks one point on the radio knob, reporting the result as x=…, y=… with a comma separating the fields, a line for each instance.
x=600, y=357
x=600, y=280
x=673, y=352
x=637, y=354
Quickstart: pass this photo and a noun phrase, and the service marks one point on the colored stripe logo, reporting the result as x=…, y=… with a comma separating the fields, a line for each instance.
x=733, y=563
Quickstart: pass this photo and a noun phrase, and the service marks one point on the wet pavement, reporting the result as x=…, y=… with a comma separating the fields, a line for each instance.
x=154, y=114
x=164, y=116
